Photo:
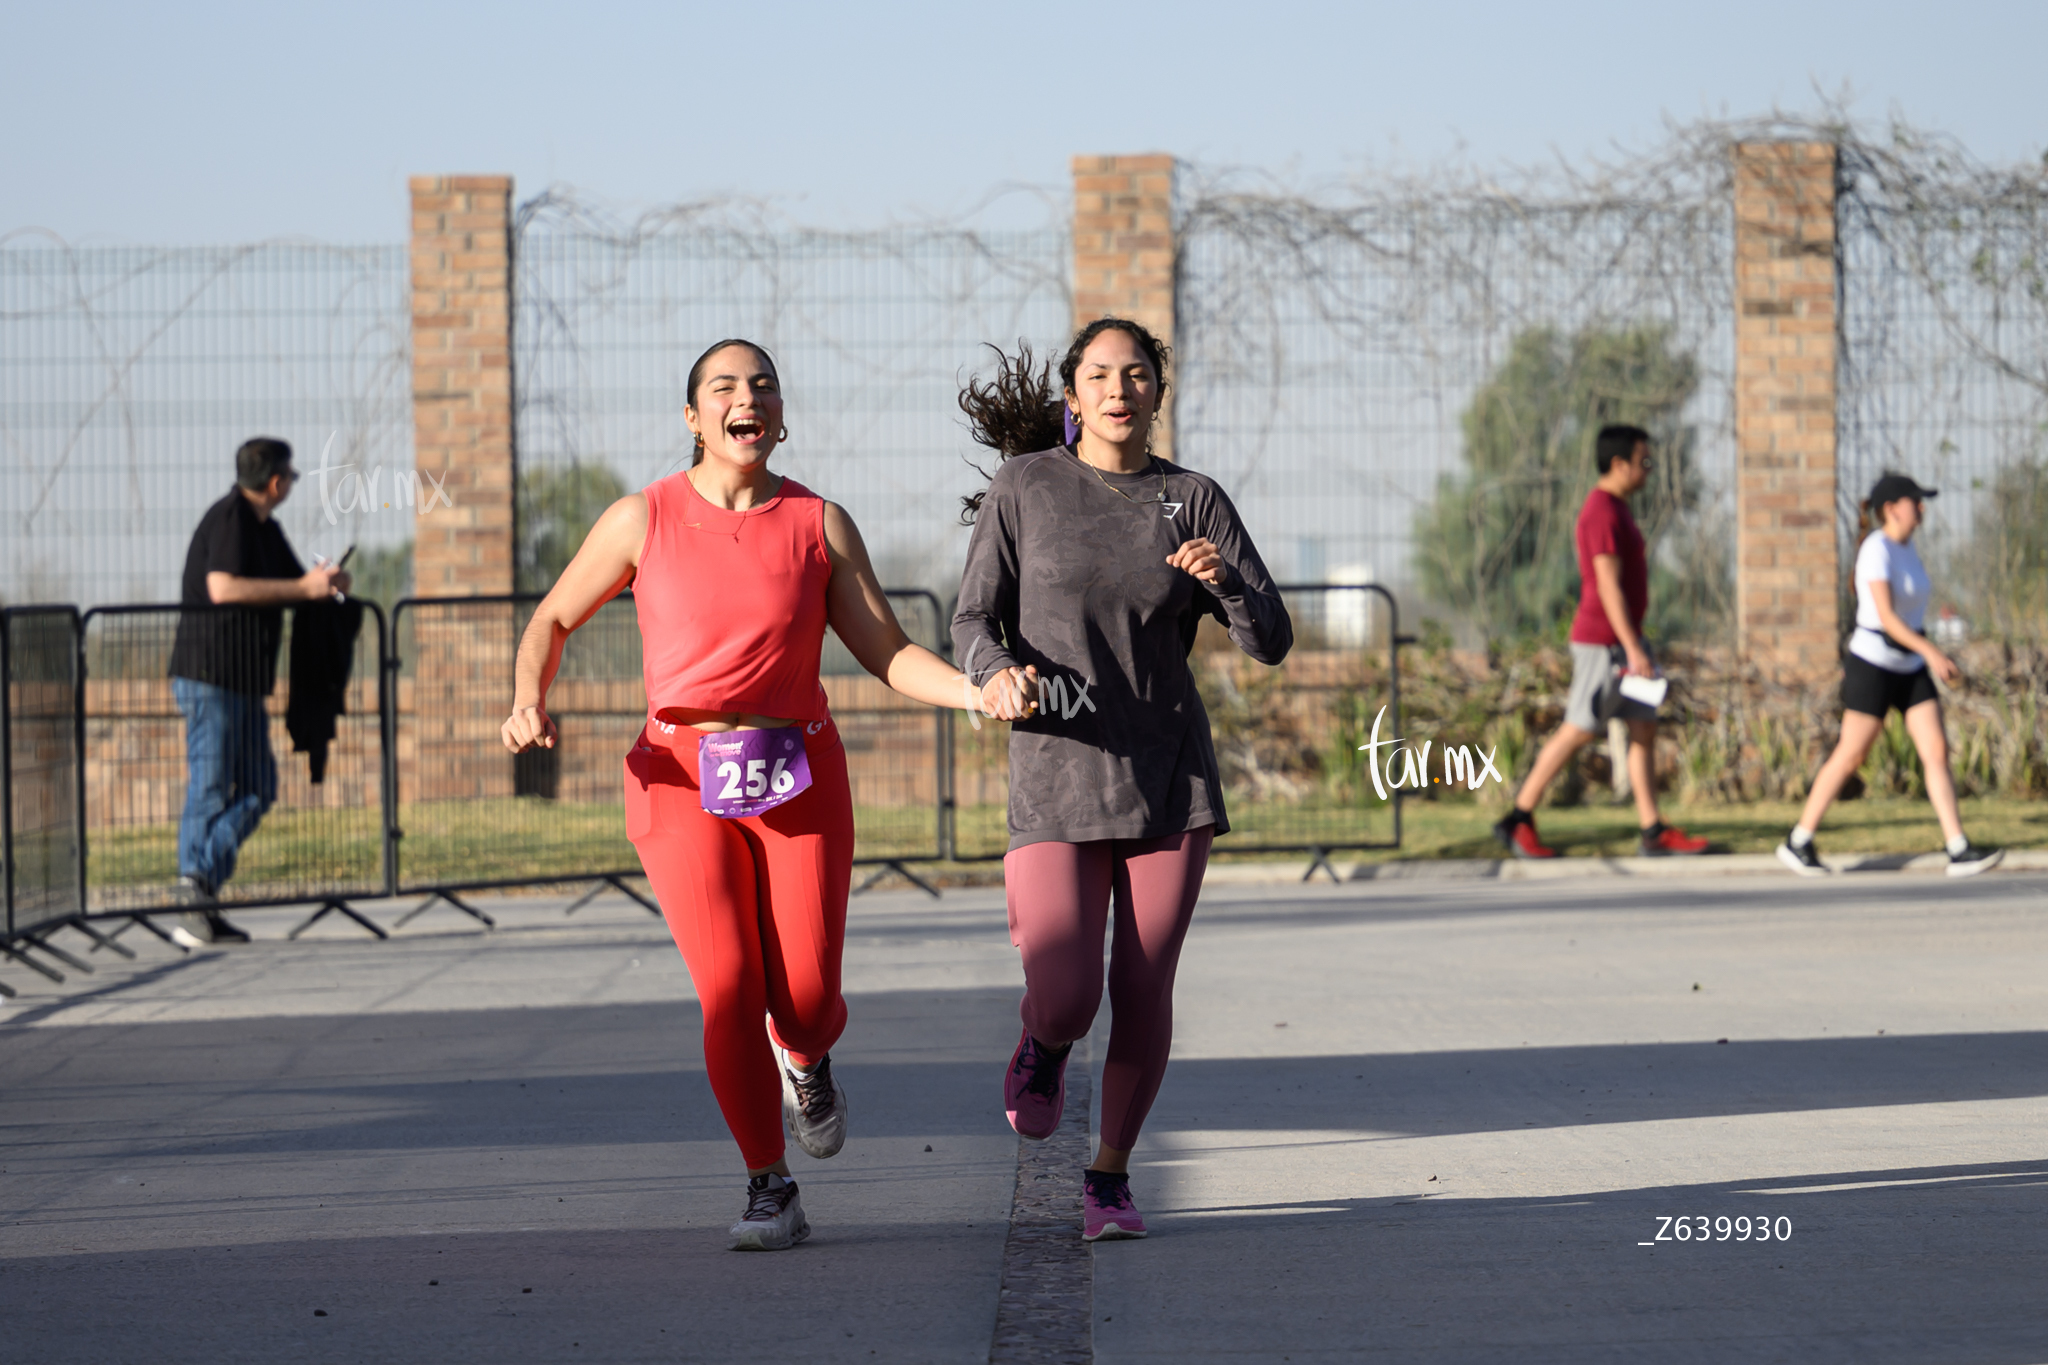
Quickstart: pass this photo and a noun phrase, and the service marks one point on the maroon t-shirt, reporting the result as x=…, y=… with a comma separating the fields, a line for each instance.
x=1607, y=527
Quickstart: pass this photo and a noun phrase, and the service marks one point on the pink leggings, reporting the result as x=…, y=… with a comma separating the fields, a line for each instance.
x=1059, y=898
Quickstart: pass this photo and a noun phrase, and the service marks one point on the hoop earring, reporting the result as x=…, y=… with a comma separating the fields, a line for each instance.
x=784, y=436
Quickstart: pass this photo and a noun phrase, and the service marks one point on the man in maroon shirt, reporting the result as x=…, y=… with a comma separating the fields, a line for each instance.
x=1607, y=645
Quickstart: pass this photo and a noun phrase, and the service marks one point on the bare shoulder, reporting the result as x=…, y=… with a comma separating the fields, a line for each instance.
x=628, y=513
x=840, y=532
x=622, y=527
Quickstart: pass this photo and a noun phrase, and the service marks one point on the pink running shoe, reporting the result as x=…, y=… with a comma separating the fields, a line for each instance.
x=1035, y=1088
x=1107, y=1212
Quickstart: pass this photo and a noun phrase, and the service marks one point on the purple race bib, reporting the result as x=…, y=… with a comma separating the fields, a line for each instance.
x=744, y=772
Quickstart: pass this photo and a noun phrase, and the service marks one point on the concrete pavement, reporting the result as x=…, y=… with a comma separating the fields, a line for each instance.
x=1406, y=1120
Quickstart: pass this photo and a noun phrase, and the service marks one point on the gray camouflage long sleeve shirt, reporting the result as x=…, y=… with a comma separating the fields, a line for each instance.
x=1067, y=571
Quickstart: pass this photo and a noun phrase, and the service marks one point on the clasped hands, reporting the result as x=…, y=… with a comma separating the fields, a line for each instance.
x=1010, y=694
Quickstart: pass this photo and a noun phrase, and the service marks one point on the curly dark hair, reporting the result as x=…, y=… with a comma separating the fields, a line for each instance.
x=1021, y=411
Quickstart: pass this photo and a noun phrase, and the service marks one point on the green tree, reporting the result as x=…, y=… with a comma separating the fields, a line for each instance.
x=1497, y=543
x=382, y=574
x=557, y=508
x=2001, y=569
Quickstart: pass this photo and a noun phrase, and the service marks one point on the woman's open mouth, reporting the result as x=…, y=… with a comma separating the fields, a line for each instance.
x=746, y=430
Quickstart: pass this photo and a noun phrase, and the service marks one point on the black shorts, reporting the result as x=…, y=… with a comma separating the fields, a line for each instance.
x=1875, y=691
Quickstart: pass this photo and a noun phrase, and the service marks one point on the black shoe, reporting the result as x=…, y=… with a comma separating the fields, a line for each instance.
x=1973, y=860
x=195, y=890
x=1805, y=860
x=223, y=932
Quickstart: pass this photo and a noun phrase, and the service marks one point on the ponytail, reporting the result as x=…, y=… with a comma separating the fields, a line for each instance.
x=1021, y=410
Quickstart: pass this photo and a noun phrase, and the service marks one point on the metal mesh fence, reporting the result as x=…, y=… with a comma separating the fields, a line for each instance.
x=39, y=791
x=470, y=814
x=1404, y=390
x=896, y=748
x=1944, y=376
x=871, y=330
x=129, y=375
x=301, y=839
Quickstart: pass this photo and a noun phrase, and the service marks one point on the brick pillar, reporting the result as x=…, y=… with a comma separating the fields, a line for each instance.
x=461, y=688
x=1786, y=565
x=462, y=381
x=1123, y=250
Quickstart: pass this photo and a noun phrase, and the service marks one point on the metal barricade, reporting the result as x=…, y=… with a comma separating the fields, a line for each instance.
x=471, y=816
x=897, y=751
x=1286, y=738
x=40, y=815
x=312, y=834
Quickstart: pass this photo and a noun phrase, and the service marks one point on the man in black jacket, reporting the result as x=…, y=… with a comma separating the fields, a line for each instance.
x=224, y=663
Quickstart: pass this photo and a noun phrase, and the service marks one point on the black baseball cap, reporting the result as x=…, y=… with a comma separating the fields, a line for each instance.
x=1892, y=487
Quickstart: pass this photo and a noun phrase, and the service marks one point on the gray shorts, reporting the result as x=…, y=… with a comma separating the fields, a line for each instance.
x=1596, y=696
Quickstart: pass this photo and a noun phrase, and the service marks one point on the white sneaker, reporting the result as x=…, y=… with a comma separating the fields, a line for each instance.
x=774, y=1220
x=813, y=1106
x=1805, y=860
x=185, y=938
x=1973, y=860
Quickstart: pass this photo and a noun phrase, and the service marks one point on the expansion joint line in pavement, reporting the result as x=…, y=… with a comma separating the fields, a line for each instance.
x=1046, y=1309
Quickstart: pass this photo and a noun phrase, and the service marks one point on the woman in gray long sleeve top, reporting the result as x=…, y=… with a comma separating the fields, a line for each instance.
x=1090, y=567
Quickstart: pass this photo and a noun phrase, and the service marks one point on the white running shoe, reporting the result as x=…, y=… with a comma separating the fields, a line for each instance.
x=774, y=1220
x=1973, y=860
x=1805, y=859
x=813, y=1106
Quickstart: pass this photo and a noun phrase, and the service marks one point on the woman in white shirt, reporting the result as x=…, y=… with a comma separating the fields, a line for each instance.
x=1890, y=665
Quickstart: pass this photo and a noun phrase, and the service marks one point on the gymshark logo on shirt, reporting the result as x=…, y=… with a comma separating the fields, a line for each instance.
x=1460, y=764
x=1172, y=509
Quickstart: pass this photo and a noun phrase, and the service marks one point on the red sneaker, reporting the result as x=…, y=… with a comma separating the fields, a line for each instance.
x=1517, y=832
x=1664, y=841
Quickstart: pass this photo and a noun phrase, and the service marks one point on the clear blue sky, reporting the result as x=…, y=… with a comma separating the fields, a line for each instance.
x=212, y=122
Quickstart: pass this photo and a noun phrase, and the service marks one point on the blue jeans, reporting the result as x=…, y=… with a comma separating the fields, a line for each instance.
x=232, y=780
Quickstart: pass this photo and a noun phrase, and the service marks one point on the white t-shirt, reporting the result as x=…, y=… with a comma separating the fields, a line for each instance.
x=1884, y=560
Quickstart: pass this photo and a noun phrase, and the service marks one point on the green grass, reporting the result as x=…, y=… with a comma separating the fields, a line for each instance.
x=507, y=838
x=291, y=853
x=296, y=852
x=1444, y=829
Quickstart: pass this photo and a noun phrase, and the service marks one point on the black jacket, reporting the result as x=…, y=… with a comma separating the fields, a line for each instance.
x=323, y=650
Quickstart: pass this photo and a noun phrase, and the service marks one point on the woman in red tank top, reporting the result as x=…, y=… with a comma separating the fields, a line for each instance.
x=736, y=793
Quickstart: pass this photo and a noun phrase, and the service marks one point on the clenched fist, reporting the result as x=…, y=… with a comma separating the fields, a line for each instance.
x=528, y=727
x=1199, y=557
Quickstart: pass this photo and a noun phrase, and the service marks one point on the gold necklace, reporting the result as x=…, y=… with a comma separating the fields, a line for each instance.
x=1150, y=461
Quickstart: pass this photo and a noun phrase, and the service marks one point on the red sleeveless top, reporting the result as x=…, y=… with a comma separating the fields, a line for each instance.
x=732, y=604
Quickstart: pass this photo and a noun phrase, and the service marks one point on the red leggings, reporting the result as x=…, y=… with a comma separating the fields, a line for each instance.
x=758, y=906
x=1059, y=898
